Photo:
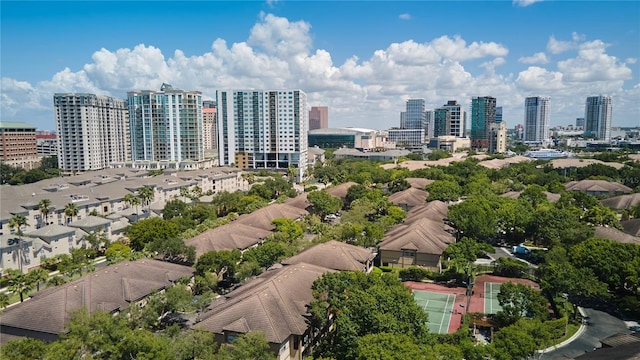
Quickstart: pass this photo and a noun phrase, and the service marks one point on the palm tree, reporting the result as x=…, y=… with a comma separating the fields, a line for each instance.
x=56, y=280
x=4, y=300
x=18, y=282
x=132, y=200
x=37, y=276
x=17, y=222
x=45, y=208
x=146, y=193
x=70, y=210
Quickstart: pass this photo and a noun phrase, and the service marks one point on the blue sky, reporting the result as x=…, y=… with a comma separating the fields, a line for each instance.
x=363, y=59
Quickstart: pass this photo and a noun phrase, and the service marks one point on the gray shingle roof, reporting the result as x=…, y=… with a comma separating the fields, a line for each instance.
x=108, y=289
x=423, y=235
x=274, y=303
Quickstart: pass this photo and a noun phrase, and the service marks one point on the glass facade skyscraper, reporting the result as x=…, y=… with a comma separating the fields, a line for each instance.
x=483, y=114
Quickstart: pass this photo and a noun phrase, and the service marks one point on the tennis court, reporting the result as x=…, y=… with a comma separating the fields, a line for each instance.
x=491, y=303
x=438, y=306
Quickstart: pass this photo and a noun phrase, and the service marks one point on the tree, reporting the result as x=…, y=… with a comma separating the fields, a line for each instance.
x=70, y=211
x=398, y=185
x=355, y=192
x=268, y=253
x=97, y=240
x=38, y=276
x=117, y=252
x=174, y=208
x=18, y=282
x=146, y=194
x=149, y=230
x=222, y=263
x=291, y=229
x=443, y=190
x=385, y=346
x=4, y=300
x=23, y=349
x=518, y=300
x=132, y=200
x=466, y=251
x=16, y=223
x=512, y=342
x=475, y=217
x=252, y=345
x=359, y=304
x=45, y=208
x=323, y=204
x=56, y=280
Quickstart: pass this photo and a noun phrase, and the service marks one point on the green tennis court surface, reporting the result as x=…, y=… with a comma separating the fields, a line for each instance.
x=491, y=303
x=438, y=306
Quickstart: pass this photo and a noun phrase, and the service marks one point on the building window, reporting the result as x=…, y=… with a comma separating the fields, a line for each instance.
x=406, y=253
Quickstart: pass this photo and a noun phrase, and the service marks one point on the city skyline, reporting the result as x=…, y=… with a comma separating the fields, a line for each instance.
x=364, y=77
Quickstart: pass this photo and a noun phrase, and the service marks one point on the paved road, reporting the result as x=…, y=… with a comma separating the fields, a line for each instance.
x=601, y=325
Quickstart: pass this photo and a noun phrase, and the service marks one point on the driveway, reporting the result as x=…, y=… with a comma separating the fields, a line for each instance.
x=601, y=325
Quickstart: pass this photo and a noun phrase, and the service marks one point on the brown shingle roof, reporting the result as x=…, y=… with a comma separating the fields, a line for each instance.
x=419, y=183
x=597, y=186
x=334, y=255
x=340, y=191
x=615, y=235
x=410, y=197
x=631, y=227
x=579, y=163
x=433, y=210
x=108, y=289
x=262, y=218
x=516, y=194
x=622, y=202
x=227, y=237
x=424, y=235
x=299, y=201
x=274, y=303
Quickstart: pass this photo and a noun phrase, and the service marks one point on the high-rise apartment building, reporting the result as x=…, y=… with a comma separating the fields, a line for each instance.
x=209, y=127
x=93, y=131
x=483, y=114
x=263, y=129
x=580, y=122
x=457, y=119
x=18, y=145
x=597, y=115
x=536, y=119
x=166, y=125
x=318, y=117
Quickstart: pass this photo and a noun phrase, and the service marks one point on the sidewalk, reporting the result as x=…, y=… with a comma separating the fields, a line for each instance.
x=582, y=328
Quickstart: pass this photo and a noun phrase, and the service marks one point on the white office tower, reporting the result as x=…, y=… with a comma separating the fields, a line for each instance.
x=536, y=119
x=263, y=129
x=93, y=131
x=597, y=117
x=166, y=125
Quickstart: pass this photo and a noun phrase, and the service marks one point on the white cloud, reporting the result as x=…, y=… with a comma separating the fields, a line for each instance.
x=631, y=61
x=524, y=3
x=276, y=35
x=366, y=91
x=537, y=58
x=404, y=16
x=593, y=64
